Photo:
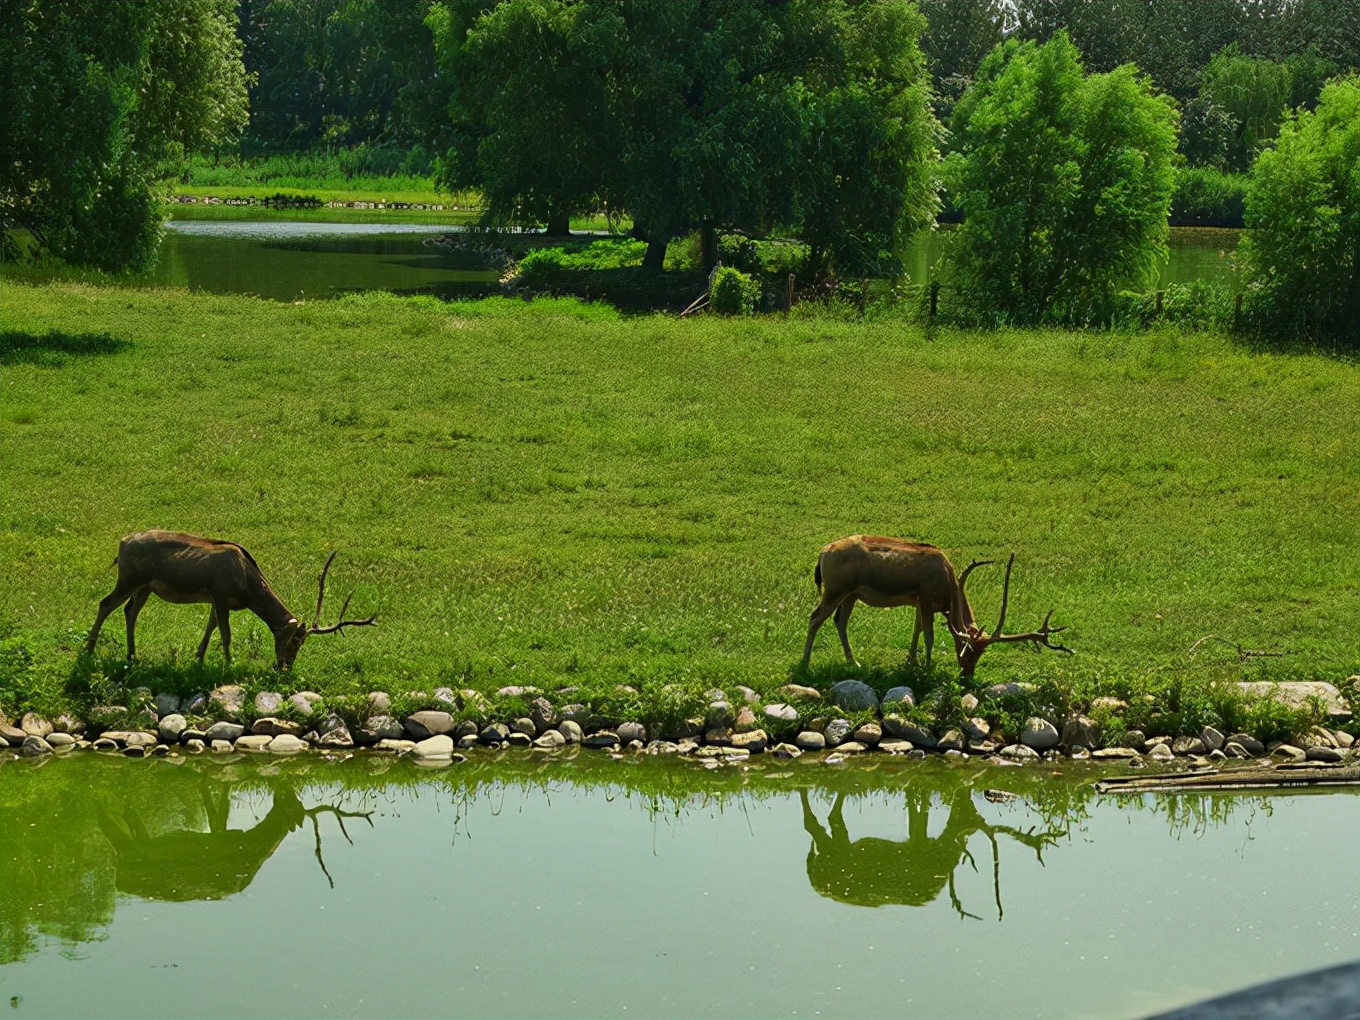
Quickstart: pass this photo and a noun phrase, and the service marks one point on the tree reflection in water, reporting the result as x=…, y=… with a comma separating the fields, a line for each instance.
x=872, y=872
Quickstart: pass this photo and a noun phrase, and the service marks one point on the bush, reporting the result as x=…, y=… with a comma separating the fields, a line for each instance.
x=1064, y=180
x=1200, y=304
x=1205, y=197
x=1303, y=218
x=733, y=292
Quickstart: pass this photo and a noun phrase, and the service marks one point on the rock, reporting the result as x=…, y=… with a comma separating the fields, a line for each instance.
x=954, y=754
x=1318, y=752
x=517, y=692
x=306, y=703
x=851, y=747
x=336, y=737
x=630, y=731
x=268, y=702
x=1188, y=745
x=550, y=740
x=853, y=696
x=604, y=738
x=495, y=734
x=1317, y=737
x=896, y=726
x=518, y=739
x=904, y=696
x=579, y=714
x=810, y=740
x=140, y=738
x=396, y=746
x=34, y=746
x=719, y=716
x=105, y=744
x=571, y=731
x=870, y=733
x=160, y=751
x=1161, y=752
x=227, y=702
x=1233, y=749
x=253, y=742
x=786, y=751
x=135, y=751
x=1021, y=752
x=836, y=732
x=286, y=743
x=272, y=727
x=11, y=736
x=438, y=746
x=1344, y=739
x=465, y=742
x=1299, y=694
x=34, y=725
x=1079, y=731
x=195, y=746
x=1248, y=743
x=799, y=691
x=1039, y=734
x=747, y=695
x=166, y=704
x=428, y=723
x=543, y=714
x=192, y=734
x=1211, y=738
x=746, y=719
x=895, y=745
x=223, y=730
x=951, y=741
x=751, y=740
x=1289, y=753
x=379, y=703
x=655, y=747
x=1114, y=753
x=977, y=728
x=105, y=717
x=718, y=738
x=1132, y=739
x=58, y=739
x=194, y=704
x=524, y=726
x=221, y=746
x=781, y=714
x=67, y=723
x=171, y=727
x=1217, y=755
x=1007, y=690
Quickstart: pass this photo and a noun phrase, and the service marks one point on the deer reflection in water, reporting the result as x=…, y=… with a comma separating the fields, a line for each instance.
x=194, y=865
x=872, y=872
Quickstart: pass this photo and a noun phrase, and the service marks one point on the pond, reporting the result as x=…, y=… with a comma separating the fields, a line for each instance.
x=288, y=260
x=513, y=885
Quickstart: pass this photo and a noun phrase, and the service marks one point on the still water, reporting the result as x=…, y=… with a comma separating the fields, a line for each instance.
x=287, y=260
x=513, y=885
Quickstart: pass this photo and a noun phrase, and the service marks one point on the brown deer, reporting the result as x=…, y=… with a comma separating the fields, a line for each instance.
x=887, y=572
x=187, y=568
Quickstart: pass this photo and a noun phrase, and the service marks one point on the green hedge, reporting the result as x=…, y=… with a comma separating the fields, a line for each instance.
x=1205, y=197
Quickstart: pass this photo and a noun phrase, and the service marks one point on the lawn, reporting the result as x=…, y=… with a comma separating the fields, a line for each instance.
x=553, y=494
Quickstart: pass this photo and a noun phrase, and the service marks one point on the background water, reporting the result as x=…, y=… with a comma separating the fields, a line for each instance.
x=524, y=886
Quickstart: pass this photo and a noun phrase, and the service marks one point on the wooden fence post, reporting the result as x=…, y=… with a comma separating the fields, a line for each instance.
x=934, y=297
x=789, y=307
x=1157, y=313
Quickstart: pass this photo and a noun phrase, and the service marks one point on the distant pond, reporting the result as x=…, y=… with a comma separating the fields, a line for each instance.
x=288, y=260
x=566, y=886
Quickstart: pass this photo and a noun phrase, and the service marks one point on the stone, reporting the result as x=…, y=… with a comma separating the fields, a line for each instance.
x=571, y=731
x=517, y=692
x=799, y=691
x=1020, y=752
x=853, y=696
x=105, y=717
x=604, y=738
x=58, y=739
x=852, y=747
x=286, y=743
x=1300, y=694
x=810, y=740
x=192, y=733
x=1217, y=755
x=337, y=737
x=268, y=702
x=836, y=732
x=105, y=744
x=1161, y=752
x=11, y=736
x=655, y=747
x=171, y=727
x=438, y=746
x=1007, y=690
x=1343, y=739
x=166, y=704
x=951, y=741
x=720, y=716
x=579, y=714
x=428, y=723
x=1114, y=753
x=977, y=728
x=34, y=746
x=1318, y=752
x=954, y=754
x=1233, y=749
x=1079, y=731
x=253, y=742
x=1289, y=752
x=227, y=702
x=754, y=741
x=67, y=723
x=518, y=739
x=445, y=696
x=135, y=751
x=195, y=746
x=550, y=740
x=896, y=726
x=968, y=703
x=747, y=695
x=1317, y=737
x=781, y=714
x=686, y=746
x=194, y=704
x=543, y=714
x=1132, y=739
x=718, y=737
x=745, y=720
x=1211, y=738
x=465, y=742
x=786, y=751
x=272, y=727
x=35, y=725
x=524, y=726
x=1039, y=734
x=379, y=703
x=869, y=733
x=901, y=696
x=1188, y=745
x=223, y=730
x=139, y=738
x=306, y=703
x=1248, y=743
x=160, y=751
x=895, y=745
x=495, y=733
x=221, y=746
x=630, y=731
x=1110, y=705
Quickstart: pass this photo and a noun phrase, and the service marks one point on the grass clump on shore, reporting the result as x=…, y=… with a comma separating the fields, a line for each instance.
x=547, y=493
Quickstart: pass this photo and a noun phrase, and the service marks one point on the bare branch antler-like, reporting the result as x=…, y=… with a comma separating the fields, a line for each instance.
x=316, y=627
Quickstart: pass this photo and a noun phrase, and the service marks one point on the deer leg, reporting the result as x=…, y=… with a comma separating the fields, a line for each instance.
x=130, y=611
x=929, y=629
x=843, y=612
x=207, y=634
x=107, y=605
x=819, y=616
x=915, y=637
x=223, y=615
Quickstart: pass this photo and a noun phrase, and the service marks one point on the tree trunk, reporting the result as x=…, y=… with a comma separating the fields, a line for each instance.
x=655, y=259
x=708, y=246
x=559, y=223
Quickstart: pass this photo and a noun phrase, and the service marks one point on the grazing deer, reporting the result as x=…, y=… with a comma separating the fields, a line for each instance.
x=896, y=572
x=186, y=568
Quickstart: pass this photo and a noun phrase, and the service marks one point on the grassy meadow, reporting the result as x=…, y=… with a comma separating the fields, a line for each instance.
x=549, y=493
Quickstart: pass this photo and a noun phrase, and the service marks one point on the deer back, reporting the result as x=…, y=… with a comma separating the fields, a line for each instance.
x=182, y=567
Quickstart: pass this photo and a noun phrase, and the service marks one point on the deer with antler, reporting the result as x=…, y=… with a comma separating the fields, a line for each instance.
x=186, y=568
x=888, y=572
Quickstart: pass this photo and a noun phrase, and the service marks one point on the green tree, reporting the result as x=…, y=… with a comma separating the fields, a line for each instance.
x=1303, y=222
x=1064, y=180
x=101, y=103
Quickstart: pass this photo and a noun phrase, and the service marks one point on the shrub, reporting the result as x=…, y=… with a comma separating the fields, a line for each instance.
x=1205, y=197
x=733, y=292
x=1064, y=180
x=1303, y=218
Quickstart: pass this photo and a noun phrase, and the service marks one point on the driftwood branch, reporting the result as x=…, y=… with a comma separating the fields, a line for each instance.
x=1242, y=653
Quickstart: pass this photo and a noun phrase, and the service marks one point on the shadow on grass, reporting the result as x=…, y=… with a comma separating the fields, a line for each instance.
x=53, y=347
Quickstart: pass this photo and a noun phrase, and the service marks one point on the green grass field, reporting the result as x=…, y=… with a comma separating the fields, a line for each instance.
x=552, y=494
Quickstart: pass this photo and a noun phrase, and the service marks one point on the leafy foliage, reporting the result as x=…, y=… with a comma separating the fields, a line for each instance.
x=733, y=292
x=1303, y=213
x=1064, y=180
x=1206, y=197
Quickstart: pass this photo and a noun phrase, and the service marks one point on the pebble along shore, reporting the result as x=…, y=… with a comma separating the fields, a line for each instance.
x=732, y=729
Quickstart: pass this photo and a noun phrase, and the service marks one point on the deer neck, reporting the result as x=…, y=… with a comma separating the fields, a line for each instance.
x=269, y=608
x=962, y=612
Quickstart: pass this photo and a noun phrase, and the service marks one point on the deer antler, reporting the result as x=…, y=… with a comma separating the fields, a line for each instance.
x=1038, y=637
x=316, y=627
x=963, y=578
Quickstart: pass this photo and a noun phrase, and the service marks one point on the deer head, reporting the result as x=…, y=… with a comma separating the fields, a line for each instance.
x=288, y=639
x=970, y=640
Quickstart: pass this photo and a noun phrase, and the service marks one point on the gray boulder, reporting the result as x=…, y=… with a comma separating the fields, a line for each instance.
x=224, y=730
x=837, y=732
x=543, y=714
x=1039, y=734
x=630, y=731
x=571, y=731
x=438, y=746
x=896, y=726
x=810, y=740
x=286, y=743
x=1079, y=731
x=428, y=723
x=1212, y=739
x=307, y=703
x=268, y=702
x=170, y=727
x=799, y=691
x=194, y=704
x=227, y=702
x=869, y=733
x=853, y=696
x=1248, y=743
x=166, y=704
x=901, y=696
x=32, y=747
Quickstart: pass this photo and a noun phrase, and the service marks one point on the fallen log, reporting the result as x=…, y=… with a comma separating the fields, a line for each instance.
x=1286, y=776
